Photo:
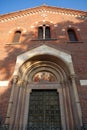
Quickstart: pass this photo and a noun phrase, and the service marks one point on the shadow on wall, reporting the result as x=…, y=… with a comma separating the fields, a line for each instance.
x=7, y=64
x=12, y=50
x=4, y=99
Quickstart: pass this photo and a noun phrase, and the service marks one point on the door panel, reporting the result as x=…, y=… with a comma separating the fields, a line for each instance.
x=44, y=110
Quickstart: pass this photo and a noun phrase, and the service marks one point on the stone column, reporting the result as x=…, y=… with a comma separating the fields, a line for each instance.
x=62, y=109
x=18, y=109
x=76, y=104
x=15, y=79
x=44, y=29
x=65, y=104
x=13, y=103
x=22, y=104
x=67, y=99
x=26, y=109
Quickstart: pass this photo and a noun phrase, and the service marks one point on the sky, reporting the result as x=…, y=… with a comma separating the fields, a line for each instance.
x=8, y=6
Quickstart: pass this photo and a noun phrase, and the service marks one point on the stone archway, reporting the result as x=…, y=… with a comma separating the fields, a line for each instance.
x=59, y=64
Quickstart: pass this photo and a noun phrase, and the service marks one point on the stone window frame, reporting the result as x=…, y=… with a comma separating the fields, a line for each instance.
x=43, y=32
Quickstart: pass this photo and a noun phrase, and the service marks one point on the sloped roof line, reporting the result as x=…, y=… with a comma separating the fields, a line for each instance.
x=43, y=8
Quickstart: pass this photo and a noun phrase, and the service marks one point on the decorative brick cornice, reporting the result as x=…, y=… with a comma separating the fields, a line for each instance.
x=43, y=9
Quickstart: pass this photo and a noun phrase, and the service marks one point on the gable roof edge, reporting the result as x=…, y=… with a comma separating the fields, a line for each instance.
x=25, y=12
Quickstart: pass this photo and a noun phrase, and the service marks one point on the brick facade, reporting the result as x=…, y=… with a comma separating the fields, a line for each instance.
x=27, y=21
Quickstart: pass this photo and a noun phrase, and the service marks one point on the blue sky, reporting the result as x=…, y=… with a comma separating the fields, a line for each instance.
x=7, y=6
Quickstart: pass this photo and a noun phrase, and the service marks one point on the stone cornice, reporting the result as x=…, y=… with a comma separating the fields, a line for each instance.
x=43, y=9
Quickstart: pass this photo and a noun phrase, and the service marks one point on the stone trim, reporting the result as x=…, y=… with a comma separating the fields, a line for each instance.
x=64, y=88
x=29, y=90
x=43, y=10
x=41, y=50
x=4, y=83
x=83, y=82
x=26, y=108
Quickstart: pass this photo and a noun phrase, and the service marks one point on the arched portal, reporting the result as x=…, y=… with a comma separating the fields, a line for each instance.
x=40, y=71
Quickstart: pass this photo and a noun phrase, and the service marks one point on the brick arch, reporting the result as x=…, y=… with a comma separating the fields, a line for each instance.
x=75, y=29
x=12, y=32
x=41, y=23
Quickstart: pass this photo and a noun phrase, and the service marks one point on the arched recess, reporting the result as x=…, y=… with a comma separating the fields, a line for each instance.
x=57, y=63
x=44, y=30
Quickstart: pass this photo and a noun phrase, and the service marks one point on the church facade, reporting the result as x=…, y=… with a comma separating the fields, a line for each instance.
x=43, y=69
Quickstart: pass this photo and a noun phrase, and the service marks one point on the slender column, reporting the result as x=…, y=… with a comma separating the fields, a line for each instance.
x=76, y=104
x=26, y=110
x=44, y=28
x=18, y=109
x=12, y=103
x=63, y=118
x=68, y=106
x=65, y=105
x=15, y=79
x=22, y=107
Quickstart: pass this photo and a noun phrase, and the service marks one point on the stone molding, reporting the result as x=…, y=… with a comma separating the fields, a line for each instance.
x=4, y=83
x=67, y=90
x=41, y=50
x=43, y=10
x=83, y=82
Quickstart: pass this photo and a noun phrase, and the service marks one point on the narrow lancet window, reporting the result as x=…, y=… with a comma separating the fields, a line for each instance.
x=16, y=37
x=40, y=32
x=72, y=35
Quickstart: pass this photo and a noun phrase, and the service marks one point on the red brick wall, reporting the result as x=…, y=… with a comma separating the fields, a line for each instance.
x=28, y=26
x=4, y=100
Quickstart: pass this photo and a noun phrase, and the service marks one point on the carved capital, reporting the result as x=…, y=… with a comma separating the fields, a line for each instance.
x=15, y=79
x=72, y=77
